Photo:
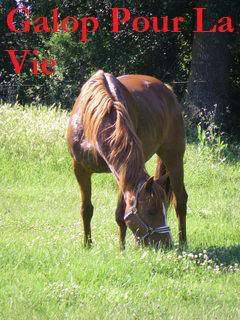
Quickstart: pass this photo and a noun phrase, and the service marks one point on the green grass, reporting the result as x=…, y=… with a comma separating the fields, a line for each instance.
x=45, y=273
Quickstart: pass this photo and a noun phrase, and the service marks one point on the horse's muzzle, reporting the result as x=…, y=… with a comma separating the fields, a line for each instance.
x=156, y=240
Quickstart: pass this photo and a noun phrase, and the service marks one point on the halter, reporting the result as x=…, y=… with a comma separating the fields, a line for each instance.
x=149, y=230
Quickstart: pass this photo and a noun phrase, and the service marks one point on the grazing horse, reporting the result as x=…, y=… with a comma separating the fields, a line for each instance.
x=116, y=125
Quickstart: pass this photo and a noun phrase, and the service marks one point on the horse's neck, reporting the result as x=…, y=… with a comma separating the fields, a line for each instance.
x=130, y=185
x=131, y=193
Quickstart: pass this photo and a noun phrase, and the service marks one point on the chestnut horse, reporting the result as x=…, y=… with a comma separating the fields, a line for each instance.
x=116, y=125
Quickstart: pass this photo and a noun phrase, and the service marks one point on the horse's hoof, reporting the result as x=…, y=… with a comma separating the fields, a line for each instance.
x=183, y=246
x=87, y=244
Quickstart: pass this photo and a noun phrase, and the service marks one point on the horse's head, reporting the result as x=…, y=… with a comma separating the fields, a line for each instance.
x=147, y=216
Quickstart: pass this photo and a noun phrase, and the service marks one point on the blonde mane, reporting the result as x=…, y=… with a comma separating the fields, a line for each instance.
x=99, y=100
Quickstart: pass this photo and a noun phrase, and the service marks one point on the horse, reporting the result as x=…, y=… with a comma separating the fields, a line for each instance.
x=116, y=125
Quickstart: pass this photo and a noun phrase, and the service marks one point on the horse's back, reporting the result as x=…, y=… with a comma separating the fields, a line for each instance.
x=160, y=119
x=137, y=81
x=153, y=109
x=149, y=92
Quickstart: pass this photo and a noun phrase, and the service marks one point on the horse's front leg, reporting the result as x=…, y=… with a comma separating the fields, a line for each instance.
x=174, y=165
x=84, y=181
x=119, y=214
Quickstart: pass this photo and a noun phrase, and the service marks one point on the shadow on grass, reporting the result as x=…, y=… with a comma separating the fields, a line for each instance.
x=224, y=255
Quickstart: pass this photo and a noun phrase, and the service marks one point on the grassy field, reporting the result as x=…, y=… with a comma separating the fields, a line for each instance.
x=45, y=273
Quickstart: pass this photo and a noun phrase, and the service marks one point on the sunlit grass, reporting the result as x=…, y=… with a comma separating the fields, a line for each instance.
x=45, y=273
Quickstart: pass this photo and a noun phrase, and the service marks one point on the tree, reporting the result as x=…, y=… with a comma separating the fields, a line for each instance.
x=213, y=88
x=208, y=91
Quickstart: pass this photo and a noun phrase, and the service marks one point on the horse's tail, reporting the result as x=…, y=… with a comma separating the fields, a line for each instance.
x=98, y=98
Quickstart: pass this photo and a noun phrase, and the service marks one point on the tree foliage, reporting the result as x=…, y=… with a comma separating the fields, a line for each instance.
x=164, y=55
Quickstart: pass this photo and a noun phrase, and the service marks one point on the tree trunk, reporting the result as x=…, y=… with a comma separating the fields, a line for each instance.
x=207, y=100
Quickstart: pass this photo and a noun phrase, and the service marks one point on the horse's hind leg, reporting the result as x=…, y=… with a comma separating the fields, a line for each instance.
x=84, y=181
x=119, y=215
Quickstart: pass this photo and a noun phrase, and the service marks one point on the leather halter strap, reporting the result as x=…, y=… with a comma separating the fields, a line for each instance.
x=149, y=230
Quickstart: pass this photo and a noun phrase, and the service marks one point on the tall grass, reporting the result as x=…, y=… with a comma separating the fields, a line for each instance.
x=33, y=133
x=45, y=273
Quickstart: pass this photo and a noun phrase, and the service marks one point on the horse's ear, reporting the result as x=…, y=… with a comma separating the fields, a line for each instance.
x=148, y=184
x=162, y=180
